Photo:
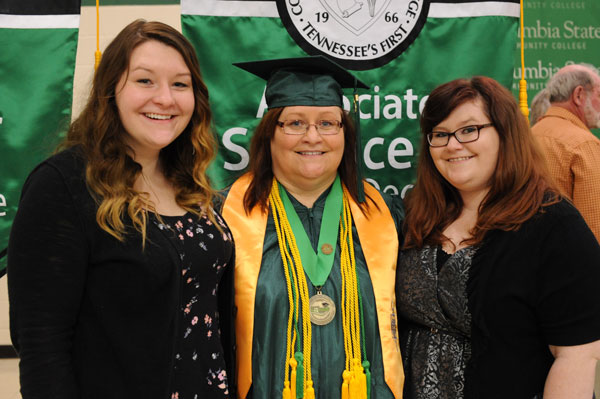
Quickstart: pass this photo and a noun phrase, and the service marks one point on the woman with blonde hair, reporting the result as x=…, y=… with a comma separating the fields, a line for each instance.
x=119, y=269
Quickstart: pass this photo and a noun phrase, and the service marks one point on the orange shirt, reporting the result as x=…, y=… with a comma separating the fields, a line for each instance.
x=573, y=155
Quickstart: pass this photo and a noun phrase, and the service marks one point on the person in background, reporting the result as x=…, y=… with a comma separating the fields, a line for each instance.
x=120, y=272
x=570, y=148
x=315, y=266
x=539, y=106
x=496, y=284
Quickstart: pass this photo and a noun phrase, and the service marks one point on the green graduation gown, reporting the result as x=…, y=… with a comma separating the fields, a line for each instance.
x=271, y=309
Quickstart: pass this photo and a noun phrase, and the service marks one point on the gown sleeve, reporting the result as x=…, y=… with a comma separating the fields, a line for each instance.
x=396, y=207
x=47, y=264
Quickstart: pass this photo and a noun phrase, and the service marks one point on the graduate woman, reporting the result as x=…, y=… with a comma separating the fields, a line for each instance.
x=315, y=266
x=119, y=269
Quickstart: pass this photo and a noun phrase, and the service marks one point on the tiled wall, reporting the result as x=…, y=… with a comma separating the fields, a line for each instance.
x=112, y=20
x=4, y=334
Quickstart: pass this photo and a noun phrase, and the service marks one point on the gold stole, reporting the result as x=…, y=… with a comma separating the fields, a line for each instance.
x=379, y=243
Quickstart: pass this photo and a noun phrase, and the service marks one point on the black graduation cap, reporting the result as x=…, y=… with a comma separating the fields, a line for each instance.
x=311, y=81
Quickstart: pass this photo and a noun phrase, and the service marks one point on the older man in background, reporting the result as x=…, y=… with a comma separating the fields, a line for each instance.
x=572, y=151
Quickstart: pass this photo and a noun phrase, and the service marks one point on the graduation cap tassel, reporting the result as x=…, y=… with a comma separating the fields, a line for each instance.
x=359, y=173
x=523, y=83
x=98, y=53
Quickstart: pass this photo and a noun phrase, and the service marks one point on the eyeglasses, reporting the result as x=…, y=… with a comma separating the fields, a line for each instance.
x=465, y=134
x=297, y=126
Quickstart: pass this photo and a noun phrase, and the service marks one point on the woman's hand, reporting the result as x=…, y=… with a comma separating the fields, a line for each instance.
x=573, y=371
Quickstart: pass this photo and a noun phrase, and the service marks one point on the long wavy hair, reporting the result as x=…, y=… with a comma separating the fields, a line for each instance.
x=99, y=133
x=520, y=185
x=261, y=164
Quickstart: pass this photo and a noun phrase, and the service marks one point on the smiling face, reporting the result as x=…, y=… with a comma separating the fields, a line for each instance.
x=154, y=97
x=469, y=167
x=307, y=160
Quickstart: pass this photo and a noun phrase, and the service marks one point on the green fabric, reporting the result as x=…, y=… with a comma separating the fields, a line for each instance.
x=310, y=81
x=271, y=314
x=447, y=48
x=287, y=88
x=36, y=85
x=128, y=2
x=317, y=265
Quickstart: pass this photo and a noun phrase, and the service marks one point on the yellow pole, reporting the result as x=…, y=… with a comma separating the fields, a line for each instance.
x=523, y=83
x=97, y=54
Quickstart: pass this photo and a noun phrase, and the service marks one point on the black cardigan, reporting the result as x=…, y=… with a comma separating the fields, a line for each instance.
x=92, y=317
x=529, y=289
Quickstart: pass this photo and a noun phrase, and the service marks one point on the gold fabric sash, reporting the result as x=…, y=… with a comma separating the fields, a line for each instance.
x=248, y=234
x=379, y=242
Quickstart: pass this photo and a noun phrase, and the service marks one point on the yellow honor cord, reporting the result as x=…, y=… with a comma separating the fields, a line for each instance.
x=346, y=384
x=289, y=390
x=289, y=346
x=293, y=265
x=294, y=377
x=356, y=378
x=354, y=384
x=309, y=393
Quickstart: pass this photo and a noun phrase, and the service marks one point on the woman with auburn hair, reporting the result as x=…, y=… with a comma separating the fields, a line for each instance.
x=120, y=272
x=315, y=261
x=498, y=275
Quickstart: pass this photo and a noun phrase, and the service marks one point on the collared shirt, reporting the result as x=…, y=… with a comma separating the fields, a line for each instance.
x=573, y=156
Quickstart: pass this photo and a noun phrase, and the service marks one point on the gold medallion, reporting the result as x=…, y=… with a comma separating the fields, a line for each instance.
x=327, y=249
x=322, y=309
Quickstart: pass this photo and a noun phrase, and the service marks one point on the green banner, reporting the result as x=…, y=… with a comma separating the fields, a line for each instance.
x=557, y=33
x=36, y=85
x=402, y=49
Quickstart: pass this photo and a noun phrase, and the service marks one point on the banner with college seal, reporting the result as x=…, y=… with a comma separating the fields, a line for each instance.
x=39, y=43
x=557, y=33
x=401, y=48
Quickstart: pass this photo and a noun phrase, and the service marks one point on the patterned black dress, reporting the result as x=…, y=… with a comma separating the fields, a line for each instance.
x=435, y=339
x=205, y=252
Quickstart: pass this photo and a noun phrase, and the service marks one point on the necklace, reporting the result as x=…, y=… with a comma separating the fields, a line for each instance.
x=298, y=376
x=146, y=180
x=318, y=265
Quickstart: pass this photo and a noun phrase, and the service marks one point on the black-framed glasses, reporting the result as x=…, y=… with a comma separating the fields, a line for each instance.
x=298, y=126
x=465, y=134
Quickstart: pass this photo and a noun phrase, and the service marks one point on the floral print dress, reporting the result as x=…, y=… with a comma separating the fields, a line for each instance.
x=199, y=365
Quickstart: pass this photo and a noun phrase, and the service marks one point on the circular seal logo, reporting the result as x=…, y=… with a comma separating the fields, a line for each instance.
x=357, y=34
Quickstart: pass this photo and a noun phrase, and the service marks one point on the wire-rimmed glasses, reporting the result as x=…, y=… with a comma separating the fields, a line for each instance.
x=298, y=126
